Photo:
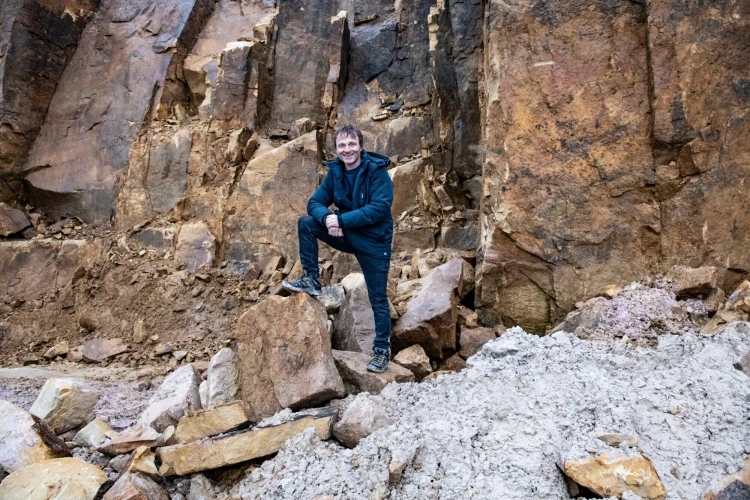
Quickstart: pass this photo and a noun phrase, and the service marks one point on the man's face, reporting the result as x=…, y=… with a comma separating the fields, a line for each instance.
x=348, y=149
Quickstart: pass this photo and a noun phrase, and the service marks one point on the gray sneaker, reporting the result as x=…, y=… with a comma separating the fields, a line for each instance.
x=379, y=361
x=307, y=284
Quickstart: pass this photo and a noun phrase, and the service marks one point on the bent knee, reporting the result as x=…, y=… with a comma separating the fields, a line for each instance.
x=305, y=222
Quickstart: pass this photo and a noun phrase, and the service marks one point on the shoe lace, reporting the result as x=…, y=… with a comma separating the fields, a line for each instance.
x=380, y=359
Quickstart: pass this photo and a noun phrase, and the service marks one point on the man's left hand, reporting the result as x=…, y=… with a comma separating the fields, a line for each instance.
x=336, y=231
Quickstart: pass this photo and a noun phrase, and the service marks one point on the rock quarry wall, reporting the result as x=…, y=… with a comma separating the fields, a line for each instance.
x=563, y=147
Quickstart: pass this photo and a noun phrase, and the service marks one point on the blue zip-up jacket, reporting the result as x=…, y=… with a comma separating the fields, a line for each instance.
x=367, y=220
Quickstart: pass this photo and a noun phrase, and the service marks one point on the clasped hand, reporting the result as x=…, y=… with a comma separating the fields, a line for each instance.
x=332, y=223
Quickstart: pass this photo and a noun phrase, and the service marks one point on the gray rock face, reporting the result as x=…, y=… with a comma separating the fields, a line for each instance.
x=83, y=145
x=224, y=382
x=362, y=416
x=64, y=403
x=354, y=325
x=175, y=398
x=39, y=39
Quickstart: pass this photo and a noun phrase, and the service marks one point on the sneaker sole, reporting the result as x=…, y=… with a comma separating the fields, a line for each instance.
x=376, y=371
x=291, y=288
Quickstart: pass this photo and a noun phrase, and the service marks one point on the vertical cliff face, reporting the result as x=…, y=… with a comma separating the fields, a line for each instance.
x=569, y=146
x=611, y=148
x=37, y=40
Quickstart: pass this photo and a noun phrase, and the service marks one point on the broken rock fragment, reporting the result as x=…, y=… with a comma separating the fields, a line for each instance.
x=354, y=325
x=196, y=246
x=353, y=369
x=59, y=478
x=95, y=433
x=224, y=383
x=206, y=423
x=98, y=350
x=239, y=447
x=285, y=355
x=21, y=445
x=472, y=340
x=693, y=282
x=64, y=403
x=175, y=398
x=612, y=475
x=415, y=360
x=135, y=486
x=431, y=315
x=362, y=417
x=12, y=221
x=142, y=460
x=130, y=439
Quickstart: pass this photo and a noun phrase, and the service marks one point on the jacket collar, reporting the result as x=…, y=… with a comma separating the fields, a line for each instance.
x=370, y=161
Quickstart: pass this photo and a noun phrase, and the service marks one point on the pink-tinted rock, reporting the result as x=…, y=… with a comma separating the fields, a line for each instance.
x=12, y=220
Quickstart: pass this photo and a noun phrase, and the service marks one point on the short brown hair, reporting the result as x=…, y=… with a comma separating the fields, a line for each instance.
x=349, y=130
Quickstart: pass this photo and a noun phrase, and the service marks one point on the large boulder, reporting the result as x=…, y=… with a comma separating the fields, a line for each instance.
x=58, y=479
x=362, y=416
x=431, y=315
x=693, y=282
x=196, y=246
x=176, y=397
x=354, y=325
x=224, y=381
x=21, y=443
x=353, y=369
x=64, y=403
x=210, y=422
x=285, y=355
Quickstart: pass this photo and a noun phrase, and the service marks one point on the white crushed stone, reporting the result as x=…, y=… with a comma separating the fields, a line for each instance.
x=499, y=428
x=642, y=312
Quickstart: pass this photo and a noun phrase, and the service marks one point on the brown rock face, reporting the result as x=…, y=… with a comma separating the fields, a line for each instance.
x=270, y=196
x=693, y=282
x=547, y=123
x=614, y=475
x=83, y=145
x=38, y=39
x=285, y=355
x=430, y=318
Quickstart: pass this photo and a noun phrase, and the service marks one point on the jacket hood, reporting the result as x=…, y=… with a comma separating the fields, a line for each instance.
x=372, y=160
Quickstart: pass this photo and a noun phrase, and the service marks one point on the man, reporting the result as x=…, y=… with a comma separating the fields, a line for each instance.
x=359, y=186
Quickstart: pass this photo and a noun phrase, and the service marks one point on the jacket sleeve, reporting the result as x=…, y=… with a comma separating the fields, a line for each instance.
x=379, y=208
x=322, y=198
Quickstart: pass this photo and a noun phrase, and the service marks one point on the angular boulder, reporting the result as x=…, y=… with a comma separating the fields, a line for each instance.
x=255, y=443
x=196, y=246
x=693, y=282
x=224, y=381
x=98, y=350
x=21, y=444
x=135, y=486
x=362, y=416
x=95, y=433
x=472, y=340
x=612, y=475
x=176, y=397
x=285, y=355
x=64, y=403
x=59, y=478
x=12, y=220
x=415, y=360
x=431, y=315
x=353, y=369
x=354, y=325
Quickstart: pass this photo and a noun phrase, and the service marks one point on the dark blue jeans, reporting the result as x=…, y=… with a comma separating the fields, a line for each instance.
x=374, y=269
